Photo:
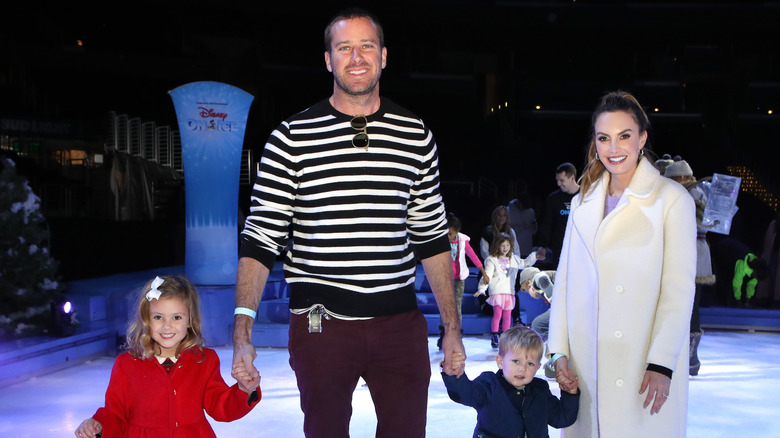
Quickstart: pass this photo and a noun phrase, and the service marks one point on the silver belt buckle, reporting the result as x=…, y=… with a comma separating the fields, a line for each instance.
x=315, y=318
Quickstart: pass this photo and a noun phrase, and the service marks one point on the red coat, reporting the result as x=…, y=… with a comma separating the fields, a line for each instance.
x=143, y=400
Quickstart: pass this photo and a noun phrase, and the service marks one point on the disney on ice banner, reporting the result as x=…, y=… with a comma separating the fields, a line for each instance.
x=212, y=120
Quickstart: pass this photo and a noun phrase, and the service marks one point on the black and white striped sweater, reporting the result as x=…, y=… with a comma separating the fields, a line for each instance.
x=358, y=218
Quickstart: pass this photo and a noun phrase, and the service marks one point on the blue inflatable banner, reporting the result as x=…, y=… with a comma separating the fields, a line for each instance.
x=212, y=120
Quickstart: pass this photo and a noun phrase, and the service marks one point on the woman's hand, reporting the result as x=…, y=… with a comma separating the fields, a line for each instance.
x=657, y=386
x=565, y=377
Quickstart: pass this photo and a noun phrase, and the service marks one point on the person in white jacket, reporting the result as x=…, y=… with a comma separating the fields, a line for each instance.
x=501, y=269
x=624, y=286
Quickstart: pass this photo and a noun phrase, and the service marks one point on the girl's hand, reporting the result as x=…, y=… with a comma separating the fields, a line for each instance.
x=89, y=428
x=479, y=292
x=244, y=379
x=541, y=254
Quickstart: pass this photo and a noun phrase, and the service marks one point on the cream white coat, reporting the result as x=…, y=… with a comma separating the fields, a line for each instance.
x=622, y=300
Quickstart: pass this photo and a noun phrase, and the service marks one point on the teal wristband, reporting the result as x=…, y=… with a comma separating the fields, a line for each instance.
x=557, y=356
x=244, y=311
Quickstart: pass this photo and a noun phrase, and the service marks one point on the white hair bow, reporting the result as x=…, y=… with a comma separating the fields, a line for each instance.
x=154, y=293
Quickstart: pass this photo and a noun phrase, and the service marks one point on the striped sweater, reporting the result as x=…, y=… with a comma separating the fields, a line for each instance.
x=356, y=219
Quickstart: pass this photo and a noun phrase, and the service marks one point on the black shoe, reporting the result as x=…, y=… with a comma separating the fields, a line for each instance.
x=494, y=340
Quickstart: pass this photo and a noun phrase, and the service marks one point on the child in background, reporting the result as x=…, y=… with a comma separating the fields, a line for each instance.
x=501, y=269
x=539, y=285
x=460, y=247
x=165, y=380
x=512, y=402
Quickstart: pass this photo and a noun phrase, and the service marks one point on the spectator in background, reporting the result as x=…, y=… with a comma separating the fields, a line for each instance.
x=522, y=219
x=681, y=172
x=556, y=212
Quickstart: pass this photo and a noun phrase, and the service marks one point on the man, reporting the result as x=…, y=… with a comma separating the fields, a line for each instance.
x=353, y=182
x=556, y=212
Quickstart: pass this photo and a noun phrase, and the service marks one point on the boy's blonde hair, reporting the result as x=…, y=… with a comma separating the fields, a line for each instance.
x=521, y=338
x=139, y=340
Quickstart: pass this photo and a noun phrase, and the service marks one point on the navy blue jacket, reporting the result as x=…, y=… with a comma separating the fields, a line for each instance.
x=496, y=414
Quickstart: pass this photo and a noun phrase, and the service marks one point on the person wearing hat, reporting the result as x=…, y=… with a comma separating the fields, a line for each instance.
x=681, y=172
x=662, y=163
x=539, y=285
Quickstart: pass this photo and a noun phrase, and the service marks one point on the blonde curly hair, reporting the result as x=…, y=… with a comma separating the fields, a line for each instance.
x=139, y=340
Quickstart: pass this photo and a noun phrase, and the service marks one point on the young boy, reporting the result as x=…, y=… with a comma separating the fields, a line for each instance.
x=512, y=402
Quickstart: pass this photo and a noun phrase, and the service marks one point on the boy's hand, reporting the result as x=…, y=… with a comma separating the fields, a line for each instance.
x=571, y=388
x=541, y=254
x=458, y=362
x=89, y=428
x=566, y=378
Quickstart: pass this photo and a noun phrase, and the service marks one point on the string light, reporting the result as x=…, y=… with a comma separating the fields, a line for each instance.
x=750, y=184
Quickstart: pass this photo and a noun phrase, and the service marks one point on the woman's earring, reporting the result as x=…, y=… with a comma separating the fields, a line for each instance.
x=642, y=152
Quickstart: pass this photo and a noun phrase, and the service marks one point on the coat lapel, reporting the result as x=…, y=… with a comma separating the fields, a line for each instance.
x=590, y=215
x=587, y=217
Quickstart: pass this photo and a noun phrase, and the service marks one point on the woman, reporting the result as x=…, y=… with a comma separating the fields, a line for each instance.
x=629, y=259
x=499, y=225
x=681, y=172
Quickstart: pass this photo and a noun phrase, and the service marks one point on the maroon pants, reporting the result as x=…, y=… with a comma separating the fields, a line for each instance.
x=390, y=353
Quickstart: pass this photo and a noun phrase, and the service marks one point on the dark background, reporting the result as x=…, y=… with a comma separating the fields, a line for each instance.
x=707, y=72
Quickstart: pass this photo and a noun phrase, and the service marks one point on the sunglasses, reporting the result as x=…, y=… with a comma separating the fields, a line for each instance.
x=360, y=140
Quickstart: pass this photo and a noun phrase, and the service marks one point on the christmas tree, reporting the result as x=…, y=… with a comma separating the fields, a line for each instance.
x=28, y=274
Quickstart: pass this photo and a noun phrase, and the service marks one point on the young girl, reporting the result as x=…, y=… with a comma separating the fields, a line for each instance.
x=501, y=268
x=165, y=380
x=460, y=247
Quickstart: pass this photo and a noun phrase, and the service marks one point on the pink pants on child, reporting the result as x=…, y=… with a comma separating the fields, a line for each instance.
x=505, y=316
x=502, y=311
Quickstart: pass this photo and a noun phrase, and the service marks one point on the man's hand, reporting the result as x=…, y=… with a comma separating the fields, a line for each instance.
x=454, y=353
x=250, y=282
x=244, y=370
x=241, y=375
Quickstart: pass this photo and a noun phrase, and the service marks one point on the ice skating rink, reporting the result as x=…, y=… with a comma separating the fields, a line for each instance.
x=735, y=395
